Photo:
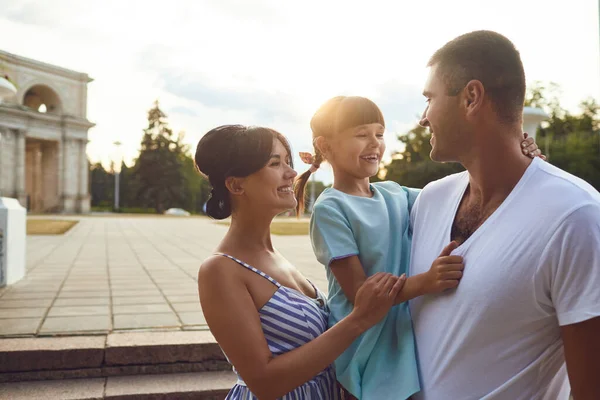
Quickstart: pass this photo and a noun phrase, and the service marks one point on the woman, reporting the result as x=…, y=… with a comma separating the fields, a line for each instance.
x=269, y=320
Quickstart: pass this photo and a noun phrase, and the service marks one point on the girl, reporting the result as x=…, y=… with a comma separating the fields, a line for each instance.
x=269, y=320
x=358, y=229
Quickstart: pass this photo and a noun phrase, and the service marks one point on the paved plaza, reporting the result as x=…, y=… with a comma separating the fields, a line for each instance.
x=123, y=273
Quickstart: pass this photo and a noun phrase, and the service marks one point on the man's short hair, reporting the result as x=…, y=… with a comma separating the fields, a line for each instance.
x=493, y=60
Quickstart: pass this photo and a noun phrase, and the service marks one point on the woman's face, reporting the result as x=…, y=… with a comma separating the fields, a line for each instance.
x=271, y=186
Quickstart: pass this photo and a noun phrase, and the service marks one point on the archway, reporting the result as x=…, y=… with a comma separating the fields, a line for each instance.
x=42, y=99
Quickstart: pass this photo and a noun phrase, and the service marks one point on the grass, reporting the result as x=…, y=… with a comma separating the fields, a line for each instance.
x=48, y=226
x=284, y=228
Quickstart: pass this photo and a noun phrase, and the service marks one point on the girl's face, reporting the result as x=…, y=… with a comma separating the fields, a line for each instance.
x=357, y=151
x=271, y=186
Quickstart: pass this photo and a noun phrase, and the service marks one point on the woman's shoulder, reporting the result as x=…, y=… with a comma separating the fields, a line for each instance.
x=217, y=269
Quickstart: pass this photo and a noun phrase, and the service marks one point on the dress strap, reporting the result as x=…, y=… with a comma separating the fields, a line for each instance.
x=251, y=268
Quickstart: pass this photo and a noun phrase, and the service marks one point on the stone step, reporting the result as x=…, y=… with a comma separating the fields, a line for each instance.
x=132, y=353
x=198, y=385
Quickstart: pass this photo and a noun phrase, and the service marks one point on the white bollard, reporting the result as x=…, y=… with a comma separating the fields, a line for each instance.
x=13, y=231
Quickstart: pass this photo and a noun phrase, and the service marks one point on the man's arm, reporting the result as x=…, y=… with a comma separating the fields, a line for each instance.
x=582, y=353
x=571, y=272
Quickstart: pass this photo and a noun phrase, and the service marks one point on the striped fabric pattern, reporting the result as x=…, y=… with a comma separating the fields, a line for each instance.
x=289, y=320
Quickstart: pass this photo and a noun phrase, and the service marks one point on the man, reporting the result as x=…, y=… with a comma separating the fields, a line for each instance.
x=529, y=233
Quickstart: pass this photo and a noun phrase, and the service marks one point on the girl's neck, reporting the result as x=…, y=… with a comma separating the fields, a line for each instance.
x=352, y=185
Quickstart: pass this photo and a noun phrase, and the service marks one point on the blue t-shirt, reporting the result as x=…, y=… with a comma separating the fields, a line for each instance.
x=381, y=363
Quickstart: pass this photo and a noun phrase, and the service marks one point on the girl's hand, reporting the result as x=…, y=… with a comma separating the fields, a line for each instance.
x=375, y=297
x=445, y=272
x=530, y=147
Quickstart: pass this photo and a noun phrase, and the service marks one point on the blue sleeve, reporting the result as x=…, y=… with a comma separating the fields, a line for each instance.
x=412, y=195
x=331, y=234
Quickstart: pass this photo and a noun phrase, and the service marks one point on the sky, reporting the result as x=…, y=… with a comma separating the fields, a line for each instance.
x=274, y=62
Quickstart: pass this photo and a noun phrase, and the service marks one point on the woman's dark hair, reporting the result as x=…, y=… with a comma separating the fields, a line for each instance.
x=233, y=150
x=336, y=115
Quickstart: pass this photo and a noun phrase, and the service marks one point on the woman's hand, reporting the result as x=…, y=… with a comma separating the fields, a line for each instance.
x=375, y=297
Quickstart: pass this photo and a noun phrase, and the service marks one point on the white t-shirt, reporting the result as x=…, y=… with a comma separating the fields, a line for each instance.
x=533, y=265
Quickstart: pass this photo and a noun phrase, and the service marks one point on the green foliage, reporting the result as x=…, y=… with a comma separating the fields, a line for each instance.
x=163, y=176
x=158, y=167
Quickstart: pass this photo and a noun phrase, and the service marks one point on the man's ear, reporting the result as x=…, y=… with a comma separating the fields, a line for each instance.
x=474, y=93
x=235, y=185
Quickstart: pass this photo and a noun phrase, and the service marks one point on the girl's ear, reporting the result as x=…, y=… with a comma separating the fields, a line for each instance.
x=322, y=145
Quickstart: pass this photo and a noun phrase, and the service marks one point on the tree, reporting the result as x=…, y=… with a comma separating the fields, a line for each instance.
x=570, y=141
x=158, y=167
x=101, y=186
x=197, y=188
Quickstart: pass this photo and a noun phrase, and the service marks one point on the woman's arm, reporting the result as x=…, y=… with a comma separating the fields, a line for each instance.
x=234, y=321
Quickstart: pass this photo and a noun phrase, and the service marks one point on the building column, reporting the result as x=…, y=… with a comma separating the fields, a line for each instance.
x=20, y=193
x=3, y=137
x=84, y=172
x=51, y=176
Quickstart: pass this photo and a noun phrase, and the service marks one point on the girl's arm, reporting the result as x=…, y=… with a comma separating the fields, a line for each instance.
x=234, y=321
x=445, y=273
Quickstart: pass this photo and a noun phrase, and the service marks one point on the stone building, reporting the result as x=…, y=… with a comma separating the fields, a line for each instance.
x=43, y=136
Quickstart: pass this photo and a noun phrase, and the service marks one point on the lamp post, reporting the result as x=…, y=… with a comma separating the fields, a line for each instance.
x=117, y=168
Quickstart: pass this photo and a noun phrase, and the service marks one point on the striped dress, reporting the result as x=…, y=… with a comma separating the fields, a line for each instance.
x=290, y=319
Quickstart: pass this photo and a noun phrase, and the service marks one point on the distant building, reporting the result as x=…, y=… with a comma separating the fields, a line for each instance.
x=43, y=136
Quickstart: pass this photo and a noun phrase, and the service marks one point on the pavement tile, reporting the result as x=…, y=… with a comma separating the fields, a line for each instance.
x=22, y=312
x=139, y=321
x=181, y=292
x=98, y=287
x=139, y=300
x=141, y=308
x=28, y=295
x=19, y=326
x=188, y=298
x=78, y=294
x=32, y=303
x=135, y=293
x=185, y=307
x=68, y=311
x=91, y=301
x=192, y=318
x=96, y=323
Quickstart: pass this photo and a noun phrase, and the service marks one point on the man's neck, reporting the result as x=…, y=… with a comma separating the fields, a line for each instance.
x=495, y=167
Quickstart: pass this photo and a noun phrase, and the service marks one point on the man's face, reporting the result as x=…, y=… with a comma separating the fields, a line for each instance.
x=443, y=116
